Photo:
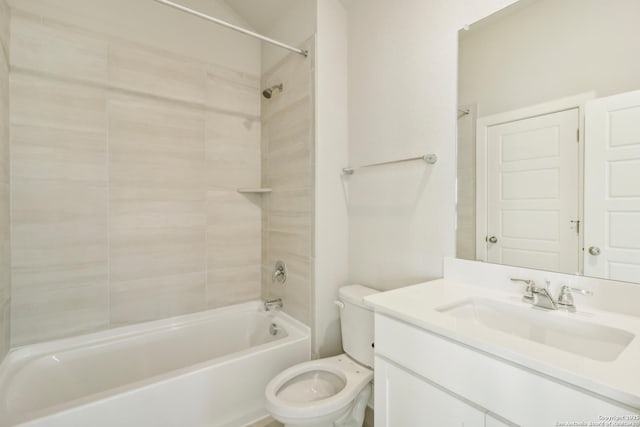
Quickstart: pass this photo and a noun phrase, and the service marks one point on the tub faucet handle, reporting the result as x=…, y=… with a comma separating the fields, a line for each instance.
x=279, y=273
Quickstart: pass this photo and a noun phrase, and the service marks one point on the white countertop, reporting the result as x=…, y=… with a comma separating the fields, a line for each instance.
x=618, y=379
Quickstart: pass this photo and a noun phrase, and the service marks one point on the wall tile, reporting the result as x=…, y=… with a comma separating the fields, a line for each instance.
x=126, y=164
x=57, y=49
x=153, y=298
x=60, y=227
x=4, y=30
x=288, y=157
x=233, y=152
x=296, y=292
x=157, y=209
x=4, y=120
x=43, y=102
x=44, y=153
x=232, y=285
x=296, y=75
x=38, y=316
x=5, y=247
x=5, y=326
x=59, y=209
x=155, y=144
x=234, y=247
x=230, y=91
x=155, y=72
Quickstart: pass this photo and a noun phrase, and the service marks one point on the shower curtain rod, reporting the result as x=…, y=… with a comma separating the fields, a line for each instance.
x=233, y=27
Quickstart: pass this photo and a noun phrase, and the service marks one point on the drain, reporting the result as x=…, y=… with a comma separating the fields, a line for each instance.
x=274, y=329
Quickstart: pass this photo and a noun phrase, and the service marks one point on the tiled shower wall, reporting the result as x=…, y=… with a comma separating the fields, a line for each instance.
x=5, y=255
x=125, y=165
x=288, y=168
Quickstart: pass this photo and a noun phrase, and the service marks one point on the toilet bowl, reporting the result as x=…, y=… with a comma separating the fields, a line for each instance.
x=320, y=393
x=334, y=391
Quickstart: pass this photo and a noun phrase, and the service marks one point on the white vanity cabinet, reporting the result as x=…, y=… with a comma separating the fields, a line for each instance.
x=425, y=379
x=409, y=400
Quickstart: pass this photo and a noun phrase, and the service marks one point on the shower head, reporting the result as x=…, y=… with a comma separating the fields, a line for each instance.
x=268, y=92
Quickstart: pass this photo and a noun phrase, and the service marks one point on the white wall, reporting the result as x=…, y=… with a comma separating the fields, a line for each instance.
x=585, y=45
x=402, y=103
x=331, y=252
x=154, y=24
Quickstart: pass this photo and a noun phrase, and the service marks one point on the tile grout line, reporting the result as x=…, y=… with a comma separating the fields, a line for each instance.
x=206, y=203
x=9, y=192
x=108, y=171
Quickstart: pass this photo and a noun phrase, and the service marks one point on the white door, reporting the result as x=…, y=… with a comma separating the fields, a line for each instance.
x=612, y=187
x=532, y=192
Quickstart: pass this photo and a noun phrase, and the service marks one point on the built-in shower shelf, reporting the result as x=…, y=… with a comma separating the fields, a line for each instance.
x=254, y=190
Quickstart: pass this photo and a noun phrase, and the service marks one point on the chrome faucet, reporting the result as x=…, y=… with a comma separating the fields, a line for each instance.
x=543, y=299
x=273, y=304
x=540, y=297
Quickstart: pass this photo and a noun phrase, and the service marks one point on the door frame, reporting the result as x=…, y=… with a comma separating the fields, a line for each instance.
x=482, y=129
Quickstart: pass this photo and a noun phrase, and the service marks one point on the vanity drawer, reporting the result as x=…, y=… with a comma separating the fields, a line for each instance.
x=522, y=396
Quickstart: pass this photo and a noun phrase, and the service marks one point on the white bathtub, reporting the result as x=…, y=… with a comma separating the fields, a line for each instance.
x=202, y=369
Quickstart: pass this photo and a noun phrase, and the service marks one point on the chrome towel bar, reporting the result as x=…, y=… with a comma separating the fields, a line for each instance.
x=429, y=158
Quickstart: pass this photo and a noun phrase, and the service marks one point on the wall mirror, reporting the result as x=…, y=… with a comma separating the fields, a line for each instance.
x=549, y=138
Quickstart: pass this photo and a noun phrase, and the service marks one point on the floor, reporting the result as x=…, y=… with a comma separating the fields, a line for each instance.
x=270, y=422
x=266, y=422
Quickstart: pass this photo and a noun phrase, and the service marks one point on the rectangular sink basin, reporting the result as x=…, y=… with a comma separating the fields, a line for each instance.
x=597, y=342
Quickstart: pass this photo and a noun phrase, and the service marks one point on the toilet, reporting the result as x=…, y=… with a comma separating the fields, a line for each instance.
x=333, y=391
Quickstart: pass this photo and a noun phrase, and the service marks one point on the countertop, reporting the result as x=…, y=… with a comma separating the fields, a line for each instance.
x=418, y=305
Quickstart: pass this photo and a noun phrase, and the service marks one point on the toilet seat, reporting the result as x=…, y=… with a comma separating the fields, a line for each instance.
x=331, y=371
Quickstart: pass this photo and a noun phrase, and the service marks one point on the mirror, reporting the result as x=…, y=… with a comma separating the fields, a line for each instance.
x=549, y=138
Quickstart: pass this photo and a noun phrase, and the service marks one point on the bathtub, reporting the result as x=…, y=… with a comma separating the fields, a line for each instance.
x=202, y=369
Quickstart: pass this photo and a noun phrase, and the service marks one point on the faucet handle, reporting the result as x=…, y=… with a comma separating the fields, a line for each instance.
x=528, y=293
x=580, y=291
x=565, y=299
x=527, y=282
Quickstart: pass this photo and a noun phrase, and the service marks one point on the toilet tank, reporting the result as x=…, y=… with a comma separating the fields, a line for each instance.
x=356, y=323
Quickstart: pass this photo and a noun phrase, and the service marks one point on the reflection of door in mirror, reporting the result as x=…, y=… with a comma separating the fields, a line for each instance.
x=612, y=187
x=532, y=192
x=530, y=54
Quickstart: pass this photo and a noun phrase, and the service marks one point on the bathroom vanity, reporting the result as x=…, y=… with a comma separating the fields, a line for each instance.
x=466, y=350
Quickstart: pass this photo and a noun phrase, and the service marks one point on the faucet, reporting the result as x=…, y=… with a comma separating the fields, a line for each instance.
x=273, y=304
x=540, y=297
x=543, y=299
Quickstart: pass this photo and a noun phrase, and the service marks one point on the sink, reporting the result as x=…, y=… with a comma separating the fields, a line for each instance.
x=597, y=342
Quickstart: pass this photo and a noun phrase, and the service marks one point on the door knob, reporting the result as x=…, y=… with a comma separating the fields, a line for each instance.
x=492, y=239
x=594, y=250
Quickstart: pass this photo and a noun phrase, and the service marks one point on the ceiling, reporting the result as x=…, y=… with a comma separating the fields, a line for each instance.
x=260, y=14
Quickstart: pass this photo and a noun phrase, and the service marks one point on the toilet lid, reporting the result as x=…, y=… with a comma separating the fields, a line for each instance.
x=311, y=386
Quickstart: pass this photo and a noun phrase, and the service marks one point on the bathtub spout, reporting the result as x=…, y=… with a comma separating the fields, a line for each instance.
x=273, y=304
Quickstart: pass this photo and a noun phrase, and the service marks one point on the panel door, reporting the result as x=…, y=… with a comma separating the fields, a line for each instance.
x=404, y=399
x=532, y=192
x=612, y=187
